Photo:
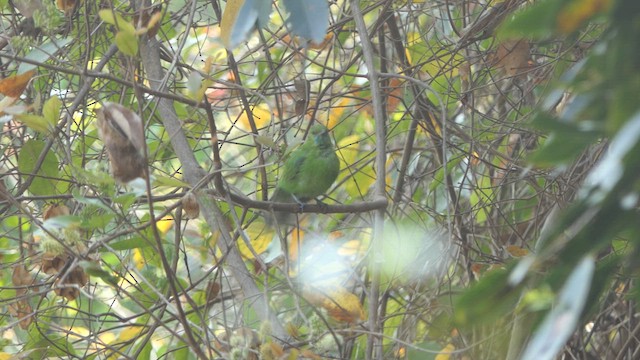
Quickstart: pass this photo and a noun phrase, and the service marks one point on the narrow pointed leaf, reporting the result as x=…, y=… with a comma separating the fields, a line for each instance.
x=308, y=18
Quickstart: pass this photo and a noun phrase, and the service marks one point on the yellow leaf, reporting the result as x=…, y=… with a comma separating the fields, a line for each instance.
x=295, y=243
x=445, y=353
x=152, y=25
x=340, y=304
x=79, y=332
x=349, y=153
x=260, y=236
x=229, y=17
x=130, y=332
x=261, y=117
x=138, y=259
x=517, y=251
x=352, y=247
x=111, y=17
x=336, y=111
x=5, y=356
x=164, y=224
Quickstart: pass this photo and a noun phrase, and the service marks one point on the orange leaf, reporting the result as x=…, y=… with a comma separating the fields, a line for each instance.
x=517, y=251
x=13, y=86
x=577, y=12
x=395, y=94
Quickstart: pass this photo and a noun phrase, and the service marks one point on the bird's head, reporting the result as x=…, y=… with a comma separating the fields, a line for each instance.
x=320, y=136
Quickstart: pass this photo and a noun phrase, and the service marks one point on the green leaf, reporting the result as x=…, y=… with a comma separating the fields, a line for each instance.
x=482, y=197
x=45, y=181
x=51, y=111
x=170, y=182
x=438, y=177
x=111, y=17
x=126, y=199
x=308, y=18
x=97, y=221
x=42, y=53
x=127, y=43
x=537, y=21
x=36, y=122
x=560, y=323
x=61, y=222
x=129, y=244
x=92, y=268
x=488, y=300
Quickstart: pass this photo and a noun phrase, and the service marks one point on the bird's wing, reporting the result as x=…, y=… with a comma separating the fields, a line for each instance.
x=293, y=166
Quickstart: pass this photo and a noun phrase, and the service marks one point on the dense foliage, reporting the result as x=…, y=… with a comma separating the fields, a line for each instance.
x=486, y=205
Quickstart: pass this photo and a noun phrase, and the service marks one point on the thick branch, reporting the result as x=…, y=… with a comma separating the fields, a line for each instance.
x=194, y=174
x=374, y=342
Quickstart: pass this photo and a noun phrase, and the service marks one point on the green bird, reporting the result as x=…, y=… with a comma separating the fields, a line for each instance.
x=308, y=173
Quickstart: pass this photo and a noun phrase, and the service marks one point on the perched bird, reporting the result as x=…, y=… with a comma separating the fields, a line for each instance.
x=308, y=173
x=122, y=132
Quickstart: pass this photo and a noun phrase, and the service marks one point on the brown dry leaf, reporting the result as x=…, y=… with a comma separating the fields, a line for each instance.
x=122, y=132
x=54, y=210
x=477, y=269
x=65, y=288
x=53, y=263
x=310, y=354
x=190, y=205
x=21, y=276
x=475, y=159
x=13, y=86
x=66, y=6
x=213, y=289
x=513, y=56
x=21, y=310
x=67, y=292
x=292, y=330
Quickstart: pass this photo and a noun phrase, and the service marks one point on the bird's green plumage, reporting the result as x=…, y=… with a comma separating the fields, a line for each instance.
x=310, y=170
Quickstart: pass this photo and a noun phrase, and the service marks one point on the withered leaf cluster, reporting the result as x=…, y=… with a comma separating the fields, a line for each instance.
x=122, y=132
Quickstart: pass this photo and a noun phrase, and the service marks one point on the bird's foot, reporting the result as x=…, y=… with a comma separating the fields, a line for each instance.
x=300, y=203
x=323, y=207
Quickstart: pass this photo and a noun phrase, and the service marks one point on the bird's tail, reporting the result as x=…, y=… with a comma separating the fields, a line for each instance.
x=279, y=218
